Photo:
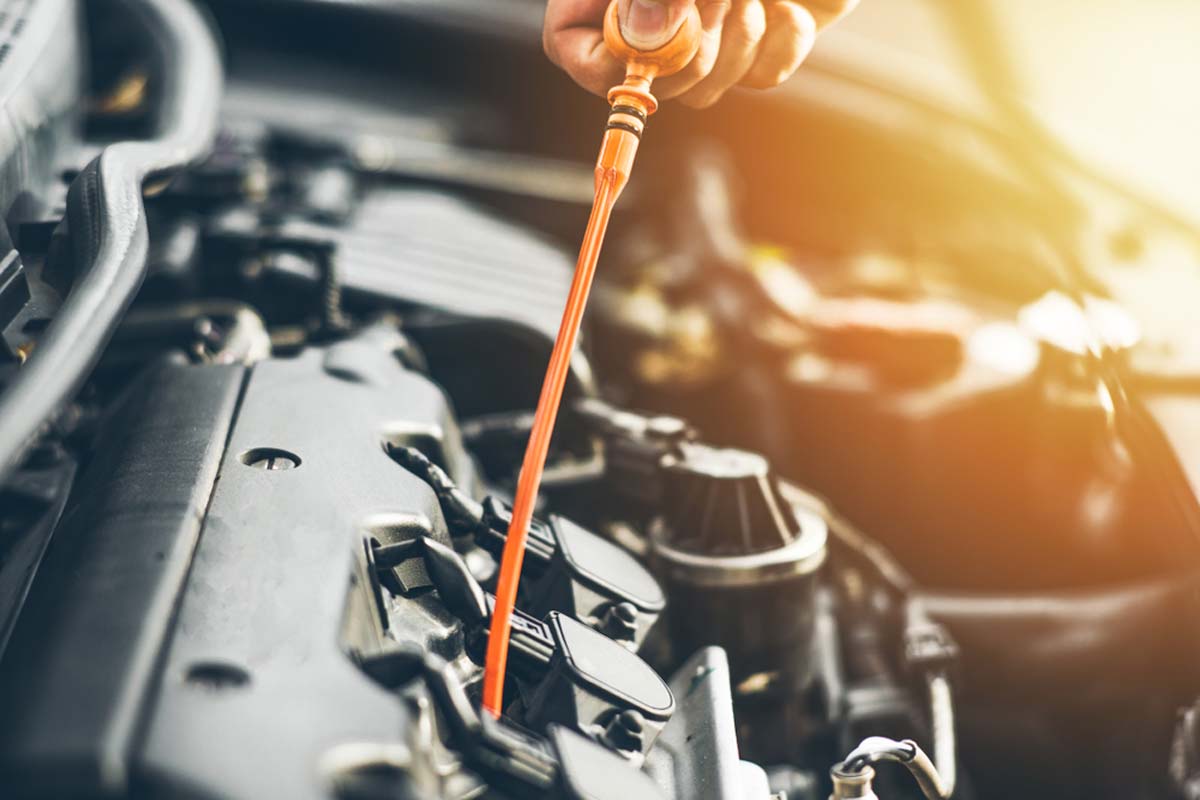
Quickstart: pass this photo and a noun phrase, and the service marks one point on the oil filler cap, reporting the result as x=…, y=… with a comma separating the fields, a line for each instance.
x=723, y=502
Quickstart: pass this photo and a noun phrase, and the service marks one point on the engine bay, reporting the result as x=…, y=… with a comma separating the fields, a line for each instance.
x=844, y=500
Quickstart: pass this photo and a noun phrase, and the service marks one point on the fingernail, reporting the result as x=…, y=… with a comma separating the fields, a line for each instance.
x=646, y=24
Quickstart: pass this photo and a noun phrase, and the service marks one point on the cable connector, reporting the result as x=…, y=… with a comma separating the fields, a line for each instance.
x=852, y=785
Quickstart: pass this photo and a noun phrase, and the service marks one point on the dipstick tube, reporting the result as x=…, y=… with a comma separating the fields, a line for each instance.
x=631, y=104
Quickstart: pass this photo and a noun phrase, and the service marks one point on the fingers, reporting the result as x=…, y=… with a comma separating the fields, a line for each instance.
x=755, y=43
x=573, y=39
x=743, y=30
x=827, y=12
x=712, y=22
x=581, y=53
x=791, y=34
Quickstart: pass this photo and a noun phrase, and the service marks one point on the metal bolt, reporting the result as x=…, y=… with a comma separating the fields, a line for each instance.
x=619, y=621
x=270, y=458
x=273, y=463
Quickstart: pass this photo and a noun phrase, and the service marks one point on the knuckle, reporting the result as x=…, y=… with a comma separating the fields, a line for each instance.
x=835, y=8
x=703, y=64
x=692, y=74
x=798, y=19
x=794, y=40
x=753, y=24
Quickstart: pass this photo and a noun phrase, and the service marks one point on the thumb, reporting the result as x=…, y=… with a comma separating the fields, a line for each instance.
x=649, y=24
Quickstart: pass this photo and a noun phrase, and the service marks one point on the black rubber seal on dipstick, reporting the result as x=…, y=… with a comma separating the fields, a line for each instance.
x=625, y=126
x=632, y=111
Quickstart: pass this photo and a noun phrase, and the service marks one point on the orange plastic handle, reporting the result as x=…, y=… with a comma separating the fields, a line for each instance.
x=650, y=64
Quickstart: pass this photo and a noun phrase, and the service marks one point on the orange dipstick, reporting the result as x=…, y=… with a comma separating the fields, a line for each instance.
x=631, y=104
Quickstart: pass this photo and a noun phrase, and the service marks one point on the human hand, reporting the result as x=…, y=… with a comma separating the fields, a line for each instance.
x=755, y=43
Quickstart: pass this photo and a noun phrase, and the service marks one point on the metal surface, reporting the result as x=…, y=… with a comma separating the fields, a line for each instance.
x=697, y=752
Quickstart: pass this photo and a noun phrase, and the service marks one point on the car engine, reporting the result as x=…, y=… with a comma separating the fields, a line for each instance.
x=820, y=520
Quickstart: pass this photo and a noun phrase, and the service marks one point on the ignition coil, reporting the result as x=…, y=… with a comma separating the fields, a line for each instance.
x=568, y=673
x=569, y=568
x=565, y=566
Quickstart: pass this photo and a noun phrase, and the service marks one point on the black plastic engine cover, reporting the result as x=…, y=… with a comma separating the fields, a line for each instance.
x=187, y=638
x=76, y=672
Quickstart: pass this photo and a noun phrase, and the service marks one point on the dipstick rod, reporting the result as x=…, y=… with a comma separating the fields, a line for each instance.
x=539, y=441
x=631, y=104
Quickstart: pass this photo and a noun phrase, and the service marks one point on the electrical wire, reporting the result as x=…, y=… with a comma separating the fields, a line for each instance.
x=539, y=442
x=463, y=513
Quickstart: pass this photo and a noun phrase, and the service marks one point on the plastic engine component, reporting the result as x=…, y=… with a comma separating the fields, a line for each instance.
x=739, y=562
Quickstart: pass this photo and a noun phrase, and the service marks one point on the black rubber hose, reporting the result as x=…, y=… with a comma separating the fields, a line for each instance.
x=107, y=221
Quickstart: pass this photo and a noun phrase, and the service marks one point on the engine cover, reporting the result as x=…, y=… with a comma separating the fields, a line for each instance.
x=202, y=595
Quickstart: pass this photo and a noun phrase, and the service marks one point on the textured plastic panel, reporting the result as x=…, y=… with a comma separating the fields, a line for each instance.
x=434, y=250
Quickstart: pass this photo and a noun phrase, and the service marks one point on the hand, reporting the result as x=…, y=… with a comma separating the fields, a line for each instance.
x=756, y=43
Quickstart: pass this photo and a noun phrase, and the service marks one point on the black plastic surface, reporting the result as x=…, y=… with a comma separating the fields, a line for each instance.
x=722, y=501
x=82, y=657
x=591, y=772
x=607, y=568
x=603, y=667
x=268, y=592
